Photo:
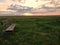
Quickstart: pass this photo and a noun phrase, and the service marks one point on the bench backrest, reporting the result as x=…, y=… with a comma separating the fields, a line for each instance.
x=5, y=22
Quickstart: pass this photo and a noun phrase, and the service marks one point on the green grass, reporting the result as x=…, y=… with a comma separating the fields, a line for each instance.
x=32, y=31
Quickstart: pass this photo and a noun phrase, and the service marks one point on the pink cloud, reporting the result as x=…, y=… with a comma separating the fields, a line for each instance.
x=4, y=5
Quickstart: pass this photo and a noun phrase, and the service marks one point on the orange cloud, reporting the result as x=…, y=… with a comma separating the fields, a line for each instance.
x=4, y=5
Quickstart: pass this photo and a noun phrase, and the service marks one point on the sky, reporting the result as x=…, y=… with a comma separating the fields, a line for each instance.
x=2, y=0
x=5, y=4
x=30, y=3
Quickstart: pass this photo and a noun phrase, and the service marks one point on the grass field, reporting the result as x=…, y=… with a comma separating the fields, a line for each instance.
x=32, y=31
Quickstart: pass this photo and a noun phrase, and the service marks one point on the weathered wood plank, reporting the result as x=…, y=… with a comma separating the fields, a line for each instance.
x=11, y=27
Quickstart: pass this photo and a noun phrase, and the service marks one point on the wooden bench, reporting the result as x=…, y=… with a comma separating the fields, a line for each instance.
x=10, y=28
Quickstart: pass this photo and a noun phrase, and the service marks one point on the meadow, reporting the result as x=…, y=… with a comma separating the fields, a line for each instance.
x=32, y=31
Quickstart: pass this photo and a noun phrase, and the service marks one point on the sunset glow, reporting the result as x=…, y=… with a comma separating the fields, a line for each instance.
x=27, y=14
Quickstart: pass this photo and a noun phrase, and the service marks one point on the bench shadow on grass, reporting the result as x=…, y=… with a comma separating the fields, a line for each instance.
x=7, y=38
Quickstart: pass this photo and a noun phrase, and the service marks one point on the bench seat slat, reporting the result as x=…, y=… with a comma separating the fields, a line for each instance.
x=11, y=27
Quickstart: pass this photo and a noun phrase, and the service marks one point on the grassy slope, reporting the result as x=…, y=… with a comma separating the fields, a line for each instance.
x=32, y=31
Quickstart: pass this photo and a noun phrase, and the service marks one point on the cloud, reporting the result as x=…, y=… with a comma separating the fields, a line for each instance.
x=2, y=0
x=20, y=8
x=4, y=5
x=7, y=5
